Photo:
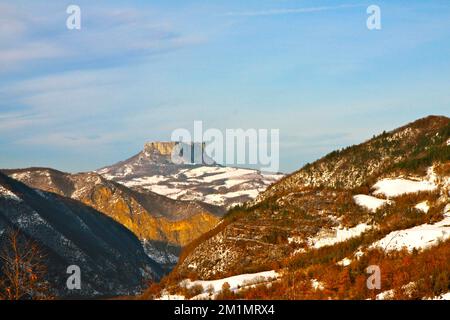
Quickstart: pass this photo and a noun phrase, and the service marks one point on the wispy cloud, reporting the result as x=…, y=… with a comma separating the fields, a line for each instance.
x=10, y=58
x=273, y=12
x=12, y=121
x=109, y=36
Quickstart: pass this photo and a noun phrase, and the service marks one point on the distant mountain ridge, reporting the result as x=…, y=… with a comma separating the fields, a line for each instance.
x=353, y=166
x=162, y=224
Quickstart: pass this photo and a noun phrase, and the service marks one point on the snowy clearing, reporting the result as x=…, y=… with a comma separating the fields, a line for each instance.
x=385, y=295
x=423, y=206
x=389, y=294
x=419, y=237
x=444, y=296
x=235, y=282
x=316, y=285
x=369, y=202
x=339, y=235
x=213, y=287
x=396, y=187
x=171, y=297
x=344, y=262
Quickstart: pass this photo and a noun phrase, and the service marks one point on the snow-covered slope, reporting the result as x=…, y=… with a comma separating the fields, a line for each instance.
x=337, y=235
x=396, y=187
x=370, y=202
x=153, y=170
x=213, y=287
x=419, y=237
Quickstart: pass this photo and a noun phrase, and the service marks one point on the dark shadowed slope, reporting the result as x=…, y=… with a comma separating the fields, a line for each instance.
x=111, y=258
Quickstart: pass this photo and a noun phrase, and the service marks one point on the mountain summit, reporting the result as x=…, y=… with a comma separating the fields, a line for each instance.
x=177, y=153
x=197, y=177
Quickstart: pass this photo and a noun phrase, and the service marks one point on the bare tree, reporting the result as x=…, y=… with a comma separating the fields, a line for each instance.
x=22, y=274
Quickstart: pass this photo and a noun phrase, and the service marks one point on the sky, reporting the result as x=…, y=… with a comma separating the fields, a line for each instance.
x=78, y=100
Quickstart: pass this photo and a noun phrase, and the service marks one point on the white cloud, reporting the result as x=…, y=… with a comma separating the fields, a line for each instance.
x=109, y=35
x=67, y=140
x=12, y=121
x=273, y=12
x=11, y=57
x=11, y=26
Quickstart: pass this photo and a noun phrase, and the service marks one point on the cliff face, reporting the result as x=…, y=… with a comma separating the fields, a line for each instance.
x=182, y=153
x=162, y=148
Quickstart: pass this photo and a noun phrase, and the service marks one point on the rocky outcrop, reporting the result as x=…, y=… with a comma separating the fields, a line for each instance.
x=176, y=153
x=162, y=148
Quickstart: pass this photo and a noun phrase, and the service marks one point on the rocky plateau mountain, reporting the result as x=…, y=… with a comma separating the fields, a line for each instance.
x=197, y=178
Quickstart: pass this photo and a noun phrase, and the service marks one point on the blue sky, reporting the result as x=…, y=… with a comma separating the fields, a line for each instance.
x=137, y=70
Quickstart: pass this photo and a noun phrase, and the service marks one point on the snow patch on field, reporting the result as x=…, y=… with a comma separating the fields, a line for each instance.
x=229, y=173
x=200, y=171
x=145, y=181
x=396, y=187
x=171, y=297
x=423, y=206
x=419, y=237
x=235, y=282
x=338, y=235
x=444, y=296
x=219, y=199
x=165, y=190
x=344, y=262
x=389, y=294
x=369, y=202
x=385, y=295
x=213, y=287
x=316, y=285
